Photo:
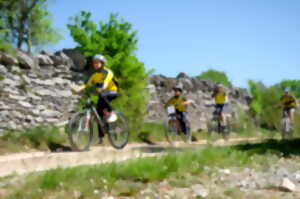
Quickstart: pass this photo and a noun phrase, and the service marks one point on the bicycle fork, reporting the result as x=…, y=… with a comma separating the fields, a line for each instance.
x=84, y=124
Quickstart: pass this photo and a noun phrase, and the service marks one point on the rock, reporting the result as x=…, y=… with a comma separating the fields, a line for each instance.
x=78, y=59
x=11, y=125
x=7, y=59
x=25, y=104
x=200, y=191
x=297, y=176
x=50, y=113
x=15, y=70
x=26, y=79
x=182, y=75
x=9, y=82
x=43, y=52
x=25, y=60
x=16, y=97
x=44, y=92
x=3, y=69
x=60, y=58
x=225, y=171
x=288, y=185
x=63, y=93
x=39, y=119
x=44, y=60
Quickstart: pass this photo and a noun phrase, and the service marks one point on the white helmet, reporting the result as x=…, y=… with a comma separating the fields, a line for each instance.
x=287, y=89
x=101, y=58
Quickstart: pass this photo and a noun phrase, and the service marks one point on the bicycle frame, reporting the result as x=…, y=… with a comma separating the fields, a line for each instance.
x=93, y=111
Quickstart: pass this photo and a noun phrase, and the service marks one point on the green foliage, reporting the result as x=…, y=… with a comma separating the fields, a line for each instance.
x=293, y=84
x=265, y=105
x=117, y=42
x=216, y=76
x=37, y=138
x=4, y=44
x=26, y=22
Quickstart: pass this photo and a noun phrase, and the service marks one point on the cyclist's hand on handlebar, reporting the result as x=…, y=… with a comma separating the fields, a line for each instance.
x=100, y=90
x=76, y=89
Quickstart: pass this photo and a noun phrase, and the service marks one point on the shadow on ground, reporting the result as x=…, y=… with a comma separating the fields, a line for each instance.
x=281, y=147
x=54, y=147
x=159, y=149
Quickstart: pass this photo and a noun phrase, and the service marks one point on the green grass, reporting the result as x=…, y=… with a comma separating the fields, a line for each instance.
x=2, y=77
x=150, y=133
x=40, y=138
x=130, y=177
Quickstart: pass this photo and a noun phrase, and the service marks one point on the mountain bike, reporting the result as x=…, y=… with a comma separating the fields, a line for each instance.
x=173, y=128
x=215, y=124
x=82, y=125
x=287, y=125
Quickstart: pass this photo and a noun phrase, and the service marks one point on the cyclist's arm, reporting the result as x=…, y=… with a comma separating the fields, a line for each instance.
x=83, y=86
x=107, y=80
x=187, y=102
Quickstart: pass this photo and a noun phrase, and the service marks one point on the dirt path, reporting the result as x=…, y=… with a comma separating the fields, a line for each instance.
x=38, y=161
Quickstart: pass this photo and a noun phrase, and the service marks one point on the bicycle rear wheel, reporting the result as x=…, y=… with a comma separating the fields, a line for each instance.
x=287, y=129
x=80, y=131
x=118, y=131
x=187, y=137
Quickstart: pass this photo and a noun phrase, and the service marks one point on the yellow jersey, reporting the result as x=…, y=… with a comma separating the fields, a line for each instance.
x=220, y=97
x=177, y=102
x=288, y=101
x=101, y=77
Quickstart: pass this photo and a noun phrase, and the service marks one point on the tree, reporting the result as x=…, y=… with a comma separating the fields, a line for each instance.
x=215, y=76
x=29, y=23
x=293, y=84
x=4, y=43
x=117, y=42
x=265, y=104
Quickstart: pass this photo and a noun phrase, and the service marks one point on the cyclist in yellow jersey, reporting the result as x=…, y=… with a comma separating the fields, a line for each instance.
x=107, y=87
x=289, y=103
x=221, y=98
x=180, y=103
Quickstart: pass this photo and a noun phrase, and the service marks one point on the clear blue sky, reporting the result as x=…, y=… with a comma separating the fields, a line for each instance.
x=248, y=39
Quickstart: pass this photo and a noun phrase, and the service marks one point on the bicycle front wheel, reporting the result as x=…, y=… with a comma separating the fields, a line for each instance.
x=80, y=131
x=118, y=131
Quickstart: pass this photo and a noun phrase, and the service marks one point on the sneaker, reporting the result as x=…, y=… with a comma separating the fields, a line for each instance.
x=112, y=117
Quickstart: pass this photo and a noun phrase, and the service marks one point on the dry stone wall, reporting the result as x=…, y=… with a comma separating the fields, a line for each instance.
x=35, y=90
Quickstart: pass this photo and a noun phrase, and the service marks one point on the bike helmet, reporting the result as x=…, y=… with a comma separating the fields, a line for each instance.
x=101, y=58
x=287, y=89
x=178, y=88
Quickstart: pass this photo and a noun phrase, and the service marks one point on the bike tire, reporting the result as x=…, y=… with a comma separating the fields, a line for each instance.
x=171, y=131
x=76, y=122
x=118, y=129
x=287, y=130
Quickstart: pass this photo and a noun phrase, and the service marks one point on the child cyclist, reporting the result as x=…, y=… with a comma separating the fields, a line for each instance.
x=221, y=98
x=106, y=86
x=289, y=103
x=180, y=103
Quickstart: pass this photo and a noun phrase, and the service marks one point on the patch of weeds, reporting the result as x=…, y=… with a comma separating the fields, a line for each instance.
x=2, y=77
x=35, y=138
x=233, y=193
x=150, y=132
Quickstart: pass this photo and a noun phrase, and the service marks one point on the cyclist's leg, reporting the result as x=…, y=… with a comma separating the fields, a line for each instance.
x=182, y=120
x=219, y=109
x=291, y=114
x=104, y=106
